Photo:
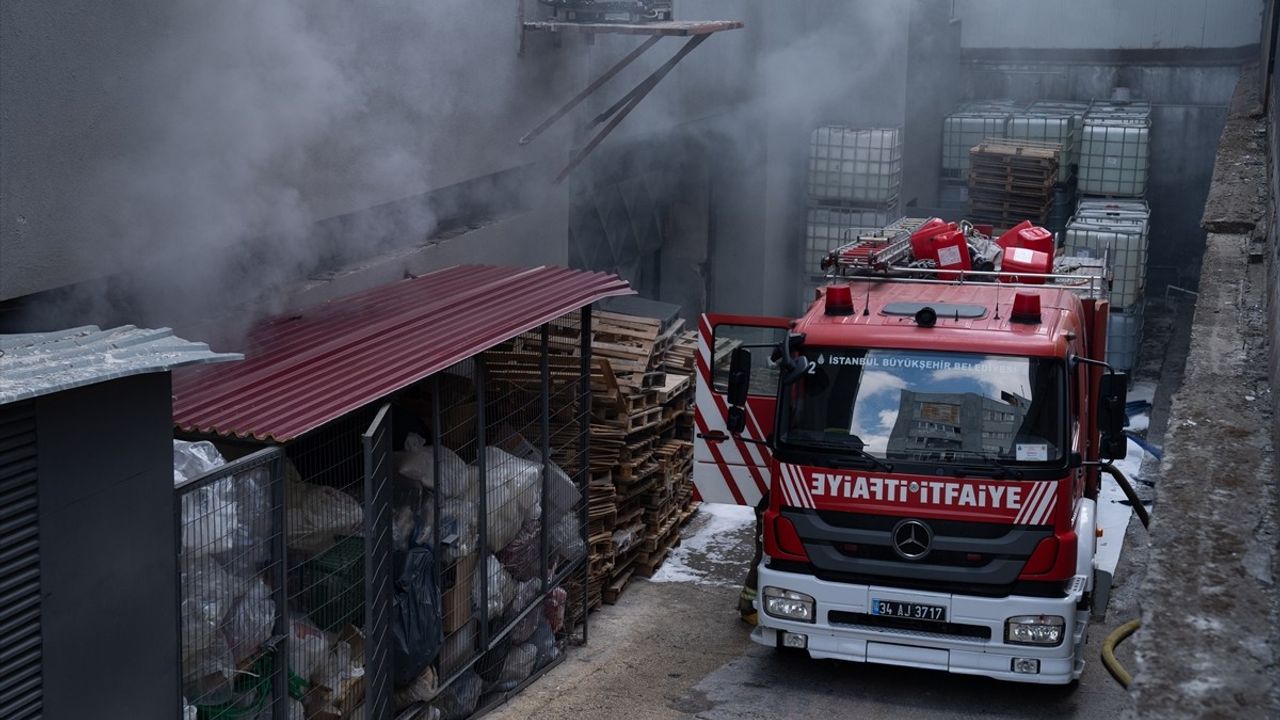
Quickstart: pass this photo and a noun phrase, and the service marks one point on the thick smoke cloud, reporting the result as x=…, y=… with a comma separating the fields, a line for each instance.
x=239, y=124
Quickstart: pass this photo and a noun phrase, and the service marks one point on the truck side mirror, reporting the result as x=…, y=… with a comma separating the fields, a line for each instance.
x=739, y=382
x=1113, y=394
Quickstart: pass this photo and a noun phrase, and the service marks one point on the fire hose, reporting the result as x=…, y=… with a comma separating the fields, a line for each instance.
x=1118, y=635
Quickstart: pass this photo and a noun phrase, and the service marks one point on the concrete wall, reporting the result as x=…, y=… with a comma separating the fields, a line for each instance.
x=1109, y=24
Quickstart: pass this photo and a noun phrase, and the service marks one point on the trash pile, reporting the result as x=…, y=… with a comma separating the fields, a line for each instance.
x=441, y=586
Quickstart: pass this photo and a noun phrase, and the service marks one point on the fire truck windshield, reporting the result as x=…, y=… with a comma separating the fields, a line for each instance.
x=927, y=406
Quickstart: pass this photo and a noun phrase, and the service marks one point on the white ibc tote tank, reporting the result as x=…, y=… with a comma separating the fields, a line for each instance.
x=1115, y=149
x=1119, y=230
x=1043, y=127
x=848, y=165
x=963, y=130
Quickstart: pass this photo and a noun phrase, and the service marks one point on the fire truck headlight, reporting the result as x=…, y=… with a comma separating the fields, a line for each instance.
x=788, y=604
x=1034, y=630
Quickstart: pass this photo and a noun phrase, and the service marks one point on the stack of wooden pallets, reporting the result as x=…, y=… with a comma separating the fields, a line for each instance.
x=1011, y=181
x=641, y=437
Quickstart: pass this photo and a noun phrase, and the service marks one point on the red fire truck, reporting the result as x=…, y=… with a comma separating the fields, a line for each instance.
x=925, y=445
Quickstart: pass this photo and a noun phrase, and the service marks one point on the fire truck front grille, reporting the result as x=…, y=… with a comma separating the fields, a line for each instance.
x=971, y=557
x=904, y=626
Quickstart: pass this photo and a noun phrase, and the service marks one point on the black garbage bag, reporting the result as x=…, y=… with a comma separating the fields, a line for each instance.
x=416, y=629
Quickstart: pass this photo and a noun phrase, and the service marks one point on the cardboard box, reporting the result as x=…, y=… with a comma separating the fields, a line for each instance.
x=456, y=599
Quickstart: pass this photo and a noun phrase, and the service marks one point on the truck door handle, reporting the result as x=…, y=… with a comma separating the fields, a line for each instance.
x=716, y=436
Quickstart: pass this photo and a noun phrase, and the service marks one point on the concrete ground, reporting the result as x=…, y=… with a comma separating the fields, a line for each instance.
x=678, y=650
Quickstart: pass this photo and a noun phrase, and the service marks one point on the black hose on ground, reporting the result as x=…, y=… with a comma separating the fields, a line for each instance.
x=1134, y=500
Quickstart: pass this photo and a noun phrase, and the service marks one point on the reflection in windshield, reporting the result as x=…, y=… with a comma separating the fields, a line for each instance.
x=928, y=405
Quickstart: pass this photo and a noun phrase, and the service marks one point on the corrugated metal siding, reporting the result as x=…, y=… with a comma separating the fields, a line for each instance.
x=35, y=364
x=20, y=666
x=305, y=370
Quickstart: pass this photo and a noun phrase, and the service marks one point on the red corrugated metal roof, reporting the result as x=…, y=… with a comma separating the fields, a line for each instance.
x=305, y=370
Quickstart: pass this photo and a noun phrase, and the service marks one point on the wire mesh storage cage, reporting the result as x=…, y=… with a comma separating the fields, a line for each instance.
x=963, y=130
x=412, y=559
x=855, y=166
x=1124, y=337
x=1056, y=129
x=1071, y=108
x=1115, y=149
x=1118, y=229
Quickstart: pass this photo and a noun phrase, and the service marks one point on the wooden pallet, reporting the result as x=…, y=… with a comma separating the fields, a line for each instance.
x=647, y=565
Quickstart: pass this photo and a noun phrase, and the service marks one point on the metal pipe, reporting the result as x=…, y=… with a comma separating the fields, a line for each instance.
x=483, y=521
x=279, y=559
x=545, y=366
x=595, y=85
x=436, y=440
x=637, y=96
x=584, y=456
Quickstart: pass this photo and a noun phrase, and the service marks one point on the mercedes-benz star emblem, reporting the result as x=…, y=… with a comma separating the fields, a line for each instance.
x=912, y=539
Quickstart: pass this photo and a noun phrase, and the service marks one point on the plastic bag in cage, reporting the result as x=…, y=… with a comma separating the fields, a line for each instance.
x=210, y=522
x=193, y=459
x=553, y=608
x=250, y=549
x=545, y=640
x=565, y=540
x=526, y=594
x=189, y=711
x=458, y=648
x=512, y=487
x=525, y=627
x=562, y=495
x=404, y=520
x=319, y=515
x=460, y=525
x=416, y=629
x=208, y=666
x=502, y=588
x=422, y=689
x=417, y=462
x=489, y=666
x=308, y=646
x=337, y=683
x=517, y=668
x=251, y=620
x=459, y=699
x=521, y=556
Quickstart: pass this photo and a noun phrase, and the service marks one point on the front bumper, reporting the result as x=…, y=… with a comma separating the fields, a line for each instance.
x=931, y=650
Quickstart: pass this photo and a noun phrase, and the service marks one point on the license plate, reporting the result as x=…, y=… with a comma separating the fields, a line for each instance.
x=913, y=611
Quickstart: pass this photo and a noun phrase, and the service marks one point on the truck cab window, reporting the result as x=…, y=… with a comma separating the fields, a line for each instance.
x=760, y=341
x=929, y=406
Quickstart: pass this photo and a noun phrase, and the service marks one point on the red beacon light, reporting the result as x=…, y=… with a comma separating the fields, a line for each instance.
x=839, y=300
x=1026, y=308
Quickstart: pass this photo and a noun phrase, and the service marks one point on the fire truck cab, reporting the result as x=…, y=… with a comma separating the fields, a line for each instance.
x=925, y=453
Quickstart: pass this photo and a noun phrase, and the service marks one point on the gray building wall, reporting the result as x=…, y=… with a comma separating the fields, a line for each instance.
x=1110, y=24
x=107, y=542
x=186, y=152
x=140, y=132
